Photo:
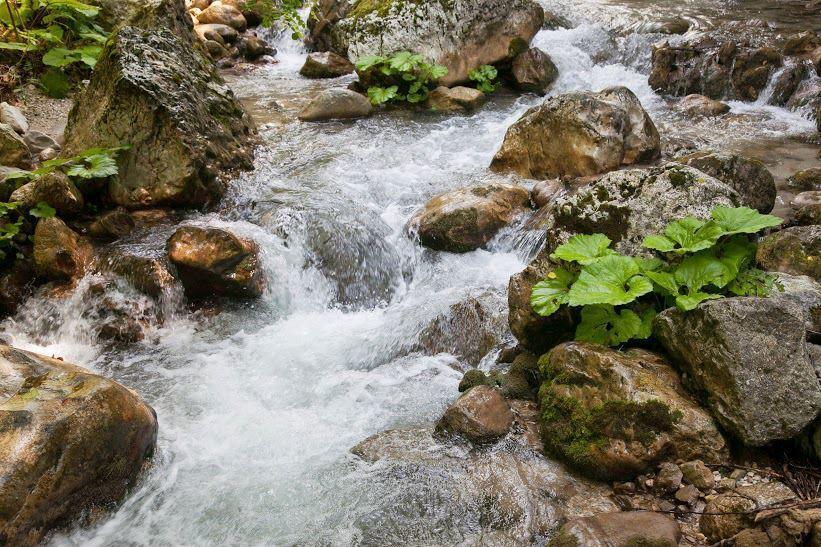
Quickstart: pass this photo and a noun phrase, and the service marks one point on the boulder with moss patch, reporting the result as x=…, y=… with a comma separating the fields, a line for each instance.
x=153, y=92
x=614, y=415
x=795, y=251
x=458, y=34
x=627, y=529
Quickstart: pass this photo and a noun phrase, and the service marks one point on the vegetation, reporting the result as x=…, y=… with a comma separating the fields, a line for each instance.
x=402, y=77
x=283, y=11
x=53, y=38
x=486, y=78
x=620, y=295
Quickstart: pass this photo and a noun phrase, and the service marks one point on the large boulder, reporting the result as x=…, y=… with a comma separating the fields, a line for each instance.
x=466, y=219
x=795, y=251
x=747, y=176
x=614, y=415
x=806, y=208
x=155, y=93
x=60, y=254
x=13, y=116
x=146, y=14
x=458, y=34
x=13, y=149
x=715, y=69
x=805, y=180
x=627, y=529
x=326, y=65
x=214, y=262
x=533, y=71
x=749, y=360
x=626, y=206
x=54, y=188
x=71, y=444
x=480, y=415
x=579, y=134
x=336, y=104
x=220, y=13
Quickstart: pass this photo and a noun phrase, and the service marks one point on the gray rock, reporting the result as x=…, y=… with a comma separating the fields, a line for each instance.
x=336, y=104
x=13, y=149
x=461, y=35
x=533, y=71
x=619, y=529
x=153, y=91
x=13, y=116
x=795, y=251
x=326, y=65
x=747, y=176
x=37, y=141
x=669, y=477
x=730, y=513
x=749, y=360
x=147, y=14
x=699, y=105
x=806, y=208
x=579, y=134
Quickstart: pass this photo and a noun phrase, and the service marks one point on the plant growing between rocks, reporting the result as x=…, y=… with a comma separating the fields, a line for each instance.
x=402, y=77
x=283, y=11
x=696, y=260
x=92, y=163
x=486, y=78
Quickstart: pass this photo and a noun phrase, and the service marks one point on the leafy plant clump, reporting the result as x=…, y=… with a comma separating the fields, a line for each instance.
x=285, y=12
x=697, y=260
x=486, y=78
x=54, y=38
x=93, y=163
x=402, y=77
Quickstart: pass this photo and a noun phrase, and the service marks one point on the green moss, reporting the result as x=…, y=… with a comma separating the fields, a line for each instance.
x=640, y=541
x=563, y=539
x=472, y=378
x=382, y=7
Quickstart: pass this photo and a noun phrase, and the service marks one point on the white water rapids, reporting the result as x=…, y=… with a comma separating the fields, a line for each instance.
x=258, y=406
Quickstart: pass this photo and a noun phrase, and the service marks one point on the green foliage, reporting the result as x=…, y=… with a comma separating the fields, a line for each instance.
x=619, y=295
x=43, y=210
x=61, y=34
x=486, y=78
x=285, y=12
x=402, y=77
x=90, y=164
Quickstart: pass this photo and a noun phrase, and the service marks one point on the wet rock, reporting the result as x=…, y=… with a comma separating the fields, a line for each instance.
x=806, y=208
x=786, y=83
x=579, y=134
x=806, y=180
x=16, y=283
x=14, y=118
x=336, y=104
x=112, y=225
x=794, y=251
x=72, y=443
x=472, y=378
x=432, y=493
x=147, y=14
x=553, y=21
x=626, y=206
x=628, y=412
x=220, y=33
x=801, y=43
x=546, y=191
x=755, y=374
x=326, y=65
x=59, y=253
x=619, y=530
x=533, y=71
x=253, y=47
x=698, y=474
x=214, y=262
x=739, y=508
x=466, y=219
x=460, y=35
x=669, y=477
x=523, y=379
x=455, y=99
x=149, y=275
x=13, y=149
x=470, y=329
x=747, y=176
x=223, y=14
x=678, y=25
x=153, y=91
x=38, y=142
x=715, y=69
x=807, y=97
x=699, y=105
x=322, y=20
x=54, y=188
x=480, y=415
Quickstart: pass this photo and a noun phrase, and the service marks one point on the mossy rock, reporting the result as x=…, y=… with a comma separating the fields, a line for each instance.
x=613, y=415
x=793, y=251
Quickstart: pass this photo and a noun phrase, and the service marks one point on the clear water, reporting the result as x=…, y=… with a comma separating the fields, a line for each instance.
x=258, y=406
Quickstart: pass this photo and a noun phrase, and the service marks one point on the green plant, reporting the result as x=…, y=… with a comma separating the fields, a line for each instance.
x=283, y=11
x=404, y=76
x=58, y=33
x=90, y=164
x=620, y=295
x=486, y=78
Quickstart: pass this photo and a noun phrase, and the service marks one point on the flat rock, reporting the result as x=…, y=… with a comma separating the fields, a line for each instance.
x=455, y=99
x=336, y=104
x=326, y=64
x=619, y=530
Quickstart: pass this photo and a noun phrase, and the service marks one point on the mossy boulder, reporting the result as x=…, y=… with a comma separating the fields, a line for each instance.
x=154, y=92
x=613, y=415
x=60, y=254
x=466, y=219
x=728, y=514
x=579, y=134
x=793, y=251
x=747, y=176
x=628, y=529
x=13, y=149
x=805, y=180
x=71, y=444
x=458, y=34
x=749, y=361
x=806, y=208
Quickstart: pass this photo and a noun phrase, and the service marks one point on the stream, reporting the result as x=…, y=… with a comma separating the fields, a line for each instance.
x=259, y=405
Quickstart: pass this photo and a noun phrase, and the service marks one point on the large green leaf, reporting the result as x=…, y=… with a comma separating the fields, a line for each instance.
x=686, y=235
x=611, y=280
x=666, y=281
x=698, y=271
x=601, y=324
x=549, y=294
x=687, y=302
x=55, y=83
x=742, y=220
x=42, y=210
x=60, y=57
x=584, y=249
x=368, y=61
x=94, y=166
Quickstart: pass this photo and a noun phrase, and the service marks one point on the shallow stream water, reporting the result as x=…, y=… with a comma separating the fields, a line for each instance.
x=259, y=405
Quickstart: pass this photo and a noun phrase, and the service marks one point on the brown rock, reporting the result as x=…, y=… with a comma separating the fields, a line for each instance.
x=326, y=65
x=807, y=208
x=669, y=477
x=336, y=104
x=455, y=99
x=59, y=253
x=533, y=71
x=112, y=225
x=736, y=510
x=16, y=283
x=698, y=474
x=480, y=415
x=688, y=494
x=214, y=262
x=223, y=14
x=71, y=443
x=54, y=188
x=546, y=191
x=222, y=34
x=808, y=179
x=699, y=105
x=464, y=220
x=794, y=251
x=149, y=275
x=619, y=530
x=13, y=149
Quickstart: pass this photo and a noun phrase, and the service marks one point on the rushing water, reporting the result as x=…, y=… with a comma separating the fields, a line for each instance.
x=259, y=405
